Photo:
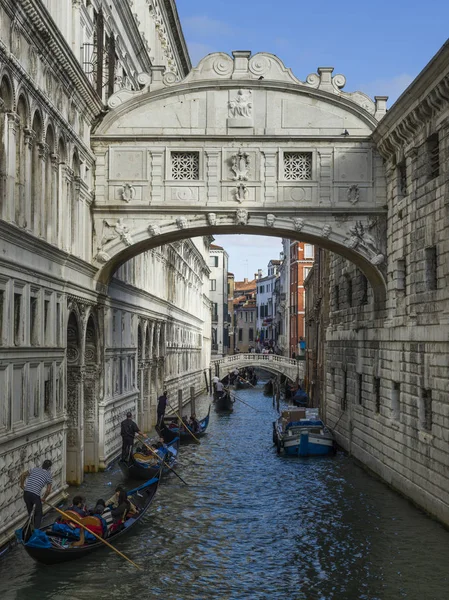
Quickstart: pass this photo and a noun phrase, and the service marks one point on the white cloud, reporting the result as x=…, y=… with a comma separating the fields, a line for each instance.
x=392, y=87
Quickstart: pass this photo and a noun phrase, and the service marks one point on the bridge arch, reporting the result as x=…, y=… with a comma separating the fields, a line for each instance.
x=273, y=363
x=241, y=145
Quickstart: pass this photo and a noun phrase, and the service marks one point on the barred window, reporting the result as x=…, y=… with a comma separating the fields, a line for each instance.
x=185, y=165
x=297, y=166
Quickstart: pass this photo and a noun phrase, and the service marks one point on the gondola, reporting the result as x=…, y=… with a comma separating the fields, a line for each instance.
x=268, y=388
x=51, y=547
x=184, y=435
x=224, y=403
x=135, y=469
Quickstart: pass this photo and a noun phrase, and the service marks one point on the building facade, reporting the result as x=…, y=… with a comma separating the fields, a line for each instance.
x=73, y=359
x=231, y=314
x=245, y=311
x=218, y=295
x=301, y=261
x=266, y=298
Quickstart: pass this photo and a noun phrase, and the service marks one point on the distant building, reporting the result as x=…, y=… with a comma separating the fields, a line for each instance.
x=301, y=261
x=245, y=314
x=218, y=295
x=266, y=305
x=316, y=321
x=282, y=304
x=231, y=316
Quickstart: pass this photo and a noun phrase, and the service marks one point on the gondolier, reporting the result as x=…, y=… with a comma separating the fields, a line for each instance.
x=128, y=431
x=161, y=407
x=36, y=479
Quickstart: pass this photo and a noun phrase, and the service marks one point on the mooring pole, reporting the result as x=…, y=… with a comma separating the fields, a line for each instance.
x=192, y=401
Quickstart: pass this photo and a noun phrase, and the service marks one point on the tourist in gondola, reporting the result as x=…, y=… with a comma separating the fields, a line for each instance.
x=35, y=480
x=128, y=431
x=78, y=506
x=123, y=507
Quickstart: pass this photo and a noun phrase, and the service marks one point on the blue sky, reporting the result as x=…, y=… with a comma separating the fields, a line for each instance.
x=379, y=46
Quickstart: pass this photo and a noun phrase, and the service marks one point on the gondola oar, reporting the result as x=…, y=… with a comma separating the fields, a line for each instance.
x=72, y=518
x=181, y=421
x=163, y=461
x=246, y=381
x=243, y=402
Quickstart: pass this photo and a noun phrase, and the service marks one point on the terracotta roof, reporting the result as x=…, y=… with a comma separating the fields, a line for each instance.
x=214, y=247
x=245, y=285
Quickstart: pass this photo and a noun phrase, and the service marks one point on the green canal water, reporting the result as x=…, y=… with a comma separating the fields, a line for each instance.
x=253, y=525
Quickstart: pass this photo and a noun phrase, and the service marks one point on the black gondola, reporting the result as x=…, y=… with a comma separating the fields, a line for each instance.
x=134, y=469
x=268, y=388
x=184, y=435
x=224, y=403
x=51, y=548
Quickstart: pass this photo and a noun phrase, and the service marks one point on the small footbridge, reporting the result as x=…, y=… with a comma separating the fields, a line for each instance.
x=278, y=365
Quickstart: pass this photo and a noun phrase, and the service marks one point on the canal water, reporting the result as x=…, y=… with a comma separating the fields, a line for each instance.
x=254, y=525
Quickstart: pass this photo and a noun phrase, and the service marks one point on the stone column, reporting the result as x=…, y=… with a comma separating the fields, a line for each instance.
x=12, y=125
x=40, y=202
x=53, y=217
x=76, y=28
x=28, y=156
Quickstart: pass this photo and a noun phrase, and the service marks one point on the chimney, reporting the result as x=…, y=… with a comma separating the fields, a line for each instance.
x=245, y=280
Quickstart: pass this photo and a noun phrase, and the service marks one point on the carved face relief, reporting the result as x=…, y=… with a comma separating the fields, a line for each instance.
x=154, y=230
x=298, y=224
x=211, y=218
x=241, y=216
x=270, y=220
x=181, y=222
x=327, y=229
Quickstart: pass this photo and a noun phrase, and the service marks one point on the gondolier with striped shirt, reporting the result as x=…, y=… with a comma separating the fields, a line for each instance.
x=36, y=479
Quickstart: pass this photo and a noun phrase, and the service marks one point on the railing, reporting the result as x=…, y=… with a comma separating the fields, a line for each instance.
x=271, y=362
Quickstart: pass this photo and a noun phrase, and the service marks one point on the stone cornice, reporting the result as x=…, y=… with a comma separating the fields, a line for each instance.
x=128, y=22
x=52, y=43
x=178, y=35
x=425, y=97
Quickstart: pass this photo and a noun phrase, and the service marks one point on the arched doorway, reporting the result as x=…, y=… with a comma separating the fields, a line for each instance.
x=91, y=391
x=75, y=458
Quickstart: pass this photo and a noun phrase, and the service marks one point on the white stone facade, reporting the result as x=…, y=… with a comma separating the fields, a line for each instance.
x=387, y=379
x=73, y=360
x=218, y=295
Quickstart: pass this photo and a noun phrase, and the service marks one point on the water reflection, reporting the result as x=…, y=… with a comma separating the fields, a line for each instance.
x=253, y=525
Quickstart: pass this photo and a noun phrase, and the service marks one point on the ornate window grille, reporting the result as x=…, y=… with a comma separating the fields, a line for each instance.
x=185, y=165
x=297, y=166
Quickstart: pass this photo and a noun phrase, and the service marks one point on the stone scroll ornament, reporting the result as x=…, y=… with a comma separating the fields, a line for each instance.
x=241, y=216
x=360, y=238
x=128, y=192
x=240, y=166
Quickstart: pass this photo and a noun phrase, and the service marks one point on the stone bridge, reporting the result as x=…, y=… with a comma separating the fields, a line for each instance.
x=240, y=145
x=278, y=365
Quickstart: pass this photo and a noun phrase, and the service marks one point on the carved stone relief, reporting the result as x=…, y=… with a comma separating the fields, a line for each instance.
x=241, y=193
x=359, y=237
x=353, y=194
x=298, y=224
x=241, y=109
x=154, y=230
x=270, y=220
x=240, y=166
x=241, y=216
x=181, y=222
x=127, y=192
x=211, y=218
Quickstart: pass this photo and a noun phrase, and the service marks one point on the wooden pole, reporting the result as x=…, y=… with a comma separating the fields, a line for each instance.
x=205, y=378
x=192, y=401
x=211, y=389
x=70, y=518
x=180, y=408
